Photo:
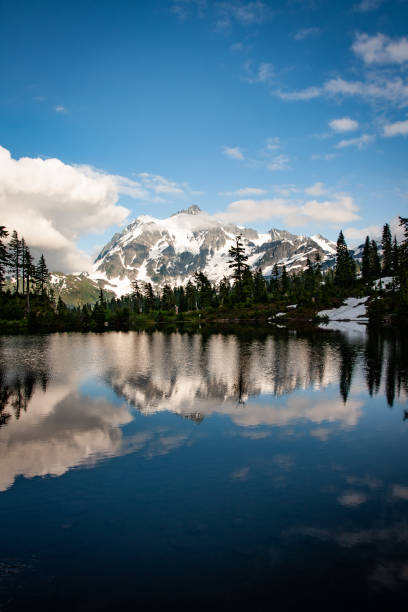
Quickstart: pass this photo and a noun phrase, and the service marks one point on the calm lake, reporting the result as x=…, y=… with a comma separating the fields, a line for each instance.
x=253, y=470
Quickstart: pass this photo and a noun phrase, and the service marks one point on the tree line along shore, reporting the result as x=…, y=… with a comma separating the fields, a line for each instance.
x=30, y=304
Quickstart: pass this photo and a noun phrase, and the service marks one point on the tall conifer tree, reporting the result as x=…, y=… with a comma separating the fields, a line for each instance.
x=15, y=257
x=4, y=256
x=386, y=243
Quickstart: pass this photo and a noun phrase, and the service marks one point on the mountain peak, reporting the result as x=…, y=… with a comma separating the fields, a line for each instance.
x=191, y=210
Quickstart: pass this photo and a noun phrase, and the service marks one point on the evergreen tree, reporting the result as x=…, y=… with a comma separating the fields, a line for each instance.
x=238, y=263
x=247, y=284
x=148, y=296
x=15, y=256
x=204, y=289
x=386, y=243
x=345, y=272
x=137, y=296
x=191, y=295
x=29, y=273
x=4, y=256
x=366, y=261
x=23, y=265
x=395, y=257
x=224, y=290
x=284, y=281
x=101, y=299
x=403, y=264
x=167, y=298
x=375, y=264
x=41, y=275
x=259, y=286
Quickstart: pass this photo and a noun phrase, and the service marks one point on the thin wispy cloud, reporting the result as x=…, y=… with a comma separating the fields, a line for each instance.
x=243, y=13
x=360, y=142
x=184, y=9
x=306, y=33
x=376, y=88
x=234, y=153
x=245, y=191
x=279, y=162
x=368, y=5
x=262, y=73
x=60, y=109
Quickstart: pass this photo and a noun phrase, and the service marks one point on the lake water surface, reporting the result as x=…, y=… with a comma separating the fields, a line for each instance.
x=249, y=470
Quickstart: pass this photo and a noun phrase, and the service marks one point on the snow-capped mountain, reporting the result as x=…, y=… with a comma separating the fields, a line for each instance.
x=171, y=250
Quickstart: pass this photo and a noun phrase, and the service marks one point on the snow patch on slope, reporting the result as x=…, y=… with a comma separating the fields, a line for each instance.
x=353, y=309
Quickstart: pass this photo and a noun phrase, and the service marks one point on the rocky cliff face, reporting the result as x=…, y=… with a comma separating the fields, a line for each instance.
x=170, y=250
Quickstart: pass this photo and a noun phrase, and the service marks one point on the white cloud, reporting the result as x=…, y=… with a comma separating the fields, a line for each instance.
x=396, y=129
x=345, y=124
x=60, y=109
x=306, y=33
x=400, y=491
x=262, y=74
x=357, y=236
x=375, y=88
x=304, y=94
x=280, y=162
x=245, y=13
x=368, y=5
x=339, y=210
x=317, y=189
x=184, y=8
x=352, y=499
x=53, y=204
x=325, y=156
x=246, y=191
x=234, y=152
x=158, y=184
x=273, y=143
x=359, y=142
x=381, y=49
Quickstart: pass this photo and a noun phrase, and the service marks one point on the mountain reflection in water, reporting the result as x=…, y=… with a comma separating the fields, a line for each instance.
x=55, y=413
x=251, y=470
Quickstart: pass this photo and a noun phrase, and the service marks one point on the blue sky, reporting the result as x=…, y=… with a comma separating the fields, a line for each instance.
x=286, y=114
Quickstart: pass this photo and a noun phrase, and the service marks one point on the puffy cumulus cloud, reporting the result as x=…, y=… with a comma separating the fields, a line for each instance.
x=234, y=152
x=52, y=203
x=359, y=142
x=345, y=124
x=399, y=128
x=338, y=210
x=381, y=49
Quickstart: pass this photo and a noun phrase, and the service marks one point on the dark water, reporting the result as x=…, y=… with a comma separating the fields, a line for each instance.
x=258, y=471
